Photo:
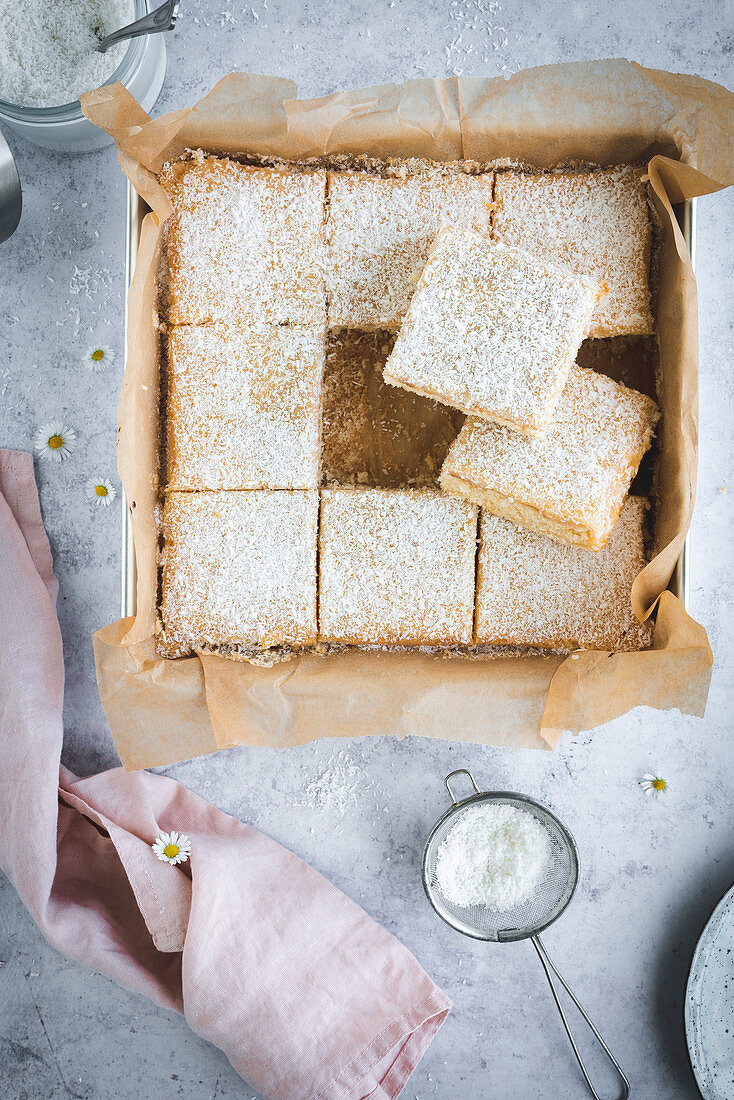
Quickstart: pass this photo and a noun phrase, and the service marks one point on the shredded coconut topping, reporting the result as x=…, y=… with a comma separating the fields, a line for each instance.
x=492, y=330
x=598, y=223
x=494, y=855
x=532, y=590
x=239, y=568
x=396, y=567
x=245, y=243
x=243, y=407
x=580, y=471
x=380, y=232
x=342, y=785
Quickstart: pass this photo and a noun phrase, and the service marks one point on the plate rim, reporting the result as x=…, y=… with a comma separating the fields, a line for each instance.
x=687, y=1010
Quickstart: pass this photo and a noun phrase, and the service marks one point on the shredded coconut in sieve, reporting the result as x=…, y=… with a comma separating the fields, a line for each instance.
x=495, y=855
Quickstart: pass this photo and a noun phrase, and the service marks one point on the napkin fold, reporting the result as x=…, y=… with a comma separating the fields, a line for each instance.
x=308, y=997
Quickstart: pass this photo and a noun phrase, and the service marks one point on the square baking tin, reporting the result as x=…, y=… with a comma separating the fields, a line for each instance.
x=137, y=208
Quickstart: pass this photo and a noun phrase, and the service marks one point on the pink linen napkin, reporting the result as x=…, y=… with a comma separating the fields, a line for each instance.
x=306, y=994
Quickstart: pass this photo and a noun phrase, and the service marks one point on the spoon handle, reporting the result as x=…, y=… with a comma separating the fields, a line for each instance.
x=550, y=971
x=11, y=195
x=162, y=19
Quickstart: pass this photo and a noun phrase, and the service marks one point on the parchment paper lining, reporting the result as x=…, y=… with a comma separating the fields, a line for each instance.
x=598, y=112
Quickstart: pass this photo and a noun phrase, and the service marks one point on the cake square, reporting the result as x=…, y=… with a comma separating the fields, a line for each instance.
x=239, y=570
x=373, y=433
x=244, y=243
x=396, y=567
x=598, y=222
x=243, y=406
x=570, y=483
x=492, y=331
x=534, y=591
x=380, y=231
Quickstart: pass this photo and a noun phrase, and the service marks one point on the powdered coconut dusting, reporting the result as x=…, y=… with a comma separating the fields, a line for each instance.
x=495, y=855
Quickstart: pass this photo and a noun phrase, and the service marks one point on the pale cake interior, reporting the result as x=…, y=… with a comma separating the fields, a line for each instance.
x=523, y=514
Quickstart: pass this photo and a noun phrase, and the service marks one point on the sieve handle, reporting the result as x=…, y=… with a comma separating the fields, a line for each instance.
x=550, y=970
x=459, y=771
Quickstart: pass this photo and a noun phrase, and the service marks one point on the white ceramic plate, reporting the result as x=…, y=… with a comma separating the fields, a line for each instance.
x=709, y=1007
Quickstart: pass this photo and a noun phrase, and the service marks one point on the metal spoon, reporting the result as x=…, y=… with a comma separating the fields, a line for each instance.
x=162, y=19
x=11, y=196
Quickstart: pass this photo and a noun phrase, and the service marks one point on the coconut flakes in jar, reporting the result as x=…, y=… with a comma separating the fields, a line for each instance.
x=48, y=51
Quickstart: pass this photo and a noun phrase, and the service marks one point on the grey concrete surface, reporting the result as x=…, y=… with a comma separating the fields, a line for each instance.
x=651, y=871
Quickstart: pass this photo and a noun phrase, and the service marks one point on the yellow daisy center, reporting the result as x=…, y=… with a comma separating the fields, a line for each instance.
x=170, y=850
x=100, y=490
x=55, y=442
x=659, y=784
x=97, y=355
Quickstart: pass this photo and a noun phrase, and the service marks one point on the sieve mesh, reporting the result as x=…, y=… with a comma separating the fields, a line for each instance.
x=520, y=921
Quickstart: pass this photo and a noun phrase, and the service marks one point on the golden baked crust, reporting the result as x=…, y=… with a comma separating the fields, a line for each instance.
x=239, y=569
x=245, y=244
x=375, y=434
x=243, y=405
x=533, y=591
x=380, y=231
x=570, y=483
x=492, y=331
x=396, y=567
x=598, y=222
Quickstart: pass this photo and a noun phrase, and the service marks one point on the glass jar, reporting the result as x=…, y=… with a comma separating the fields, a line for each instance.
x=141, y=70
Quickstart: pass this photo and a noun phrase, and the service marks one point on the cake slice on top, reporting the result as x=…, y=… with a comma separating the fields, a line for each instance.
x=492, y=331
x=380, y=230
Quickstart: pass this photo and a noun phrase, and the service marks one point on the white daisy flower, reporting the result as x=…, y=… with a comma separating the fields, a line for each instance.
x=99, y=357
x=55, y=441
x=101, y=491
x=172, y=847
x=654, y=784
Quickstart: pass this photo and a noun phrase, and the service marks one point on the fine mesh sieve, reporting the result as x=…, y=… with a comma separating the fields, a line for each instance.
x=525, y=920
